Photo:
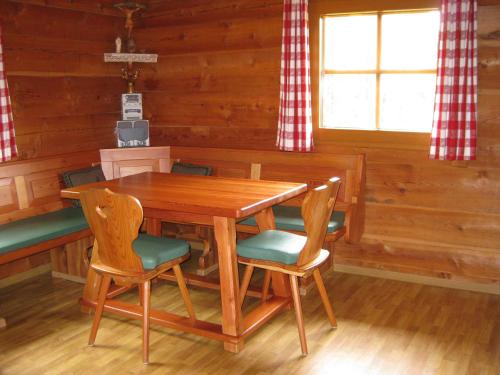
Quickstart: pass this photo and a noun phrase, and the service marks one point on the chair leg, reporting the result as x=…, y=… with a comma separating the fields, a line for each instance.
x=245, y=282
x=265, y=285
x=298, y=313
x=141, y=294
x=146, y=292
x=184, y=292
x=324, y=297
x=101, y=298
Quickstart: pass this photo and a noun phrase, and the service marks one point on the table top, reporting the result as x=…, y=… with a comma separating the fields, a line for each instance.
x=205, y=195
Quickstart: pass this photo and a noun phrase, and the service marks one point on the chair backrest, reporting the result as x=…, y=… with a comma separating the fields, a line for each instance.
x=115, y=220
x=187, y=168
x=80, y=177
x=317, y=208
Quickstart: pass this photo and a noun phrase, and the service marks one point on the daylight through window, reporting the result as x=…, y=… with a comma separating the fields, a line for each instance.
x=379, y=70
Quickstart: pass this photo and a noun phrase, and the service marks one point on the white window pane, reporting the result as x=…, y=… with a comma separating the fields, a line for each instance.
x=349, y=101
x=410, y=40
x=407, y=101
x=350, y=42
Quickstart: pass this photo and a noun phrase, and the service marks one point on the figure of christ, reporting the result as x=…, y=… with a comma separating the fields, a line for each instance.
x=129, y=13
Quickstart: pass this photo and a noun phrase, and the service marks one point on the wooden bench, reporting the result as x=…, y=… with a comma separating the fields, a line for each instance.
x=311, y=168
x=34, y=219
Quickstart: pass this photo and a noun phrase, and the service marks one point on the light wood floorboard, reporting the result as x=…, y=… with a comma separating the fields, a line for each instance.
x=384, y=327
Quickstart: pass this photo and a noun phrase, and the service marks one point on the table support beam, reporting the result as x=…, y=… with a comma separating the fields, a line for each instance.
x=206, y=282
x=263, y=313
x=166, y=319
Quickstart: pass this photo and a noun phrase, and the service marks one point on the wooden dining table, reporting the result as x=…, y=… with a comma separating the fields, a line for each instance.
x=206, y=200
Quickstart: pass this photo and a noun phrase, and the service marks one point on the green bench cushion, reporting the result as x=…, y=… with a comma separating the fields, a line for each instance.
x=157, y=250
x=41, y=228
x=272, y=245
x=290, y=218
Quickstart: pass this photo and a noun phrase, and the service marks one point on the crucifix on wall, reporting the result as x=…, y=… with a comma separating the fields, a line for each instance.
x=129, y=74
x=132, y=130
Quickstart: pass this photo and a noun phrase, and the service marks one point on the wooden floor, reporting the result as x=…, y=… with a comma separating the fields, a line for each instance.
x=384, y=327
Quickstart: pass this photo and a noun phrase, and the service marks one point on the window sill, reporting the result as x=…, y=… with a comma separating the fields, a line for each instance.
x=373, y=138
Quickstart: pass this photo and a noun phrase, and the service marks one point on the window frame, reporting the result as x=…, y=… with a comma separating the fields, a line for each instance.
x=325, y=137
x=378, y=71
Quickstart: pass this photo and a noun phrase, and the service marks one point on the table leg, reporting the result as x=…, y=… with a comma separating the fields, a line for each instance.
x=3, y=323
x=265, y=219
x=280, y=281
x=153, y=226
x=225, y=234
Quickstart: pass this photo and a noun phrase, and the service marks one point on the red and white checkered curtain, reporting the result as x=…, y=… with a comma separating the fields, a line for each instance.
x=455, y=107
x=8, y=148
x=295, y=115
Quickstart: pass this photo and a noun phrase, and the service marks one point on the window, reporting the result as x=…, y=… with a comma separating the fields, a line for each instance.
x=378, y=70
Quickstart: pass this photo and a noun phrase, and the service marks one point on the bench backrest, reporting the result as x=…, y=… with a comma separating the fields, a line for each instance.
x=311, y=168
x=32, y=187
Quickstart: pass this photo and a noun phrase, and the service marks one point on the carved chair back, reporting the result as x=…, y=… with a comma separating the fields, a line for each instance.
x=115, y=220
x=317, y=209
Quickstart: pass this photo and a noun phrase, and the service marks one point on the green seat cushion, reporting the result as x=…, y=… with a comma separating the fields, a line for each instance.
x=272, y=245
x=157, y=250
x=290, y=218
x=186, y=168
x=81, y=177
x=36, y=229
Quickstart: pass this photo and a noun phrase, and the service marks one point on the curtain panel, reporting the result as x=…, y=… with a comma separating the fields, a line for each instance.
x=295, y=113
x=8, y=148
x=455, y=109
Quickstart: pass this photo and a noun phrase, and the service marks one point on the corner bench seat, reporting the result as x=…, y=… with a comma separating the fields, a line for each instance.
x=39, y=229
x=311, y=168
x=34, y=219
x=290, y=218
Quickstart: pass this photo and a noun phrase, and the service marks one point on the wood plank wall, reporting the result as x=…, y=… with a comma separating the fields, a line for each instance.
x=217, y=85
x=64, y=97
x=217, y=80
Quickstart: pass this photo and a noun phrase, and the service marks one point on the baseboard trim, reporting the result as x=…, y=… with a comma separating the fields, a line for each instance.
x=419, y=279
x=65, y=276
x=17, y=278
x=341, y=268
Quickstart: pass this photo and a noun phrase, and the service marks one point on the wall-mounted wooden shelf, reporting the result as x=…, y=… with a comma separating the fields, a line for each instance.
x=131, y=57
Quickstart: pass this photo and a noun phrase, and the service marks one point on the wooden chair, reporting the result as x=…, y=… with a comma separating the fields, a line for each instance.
x=293, y=254
x=126, y=257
